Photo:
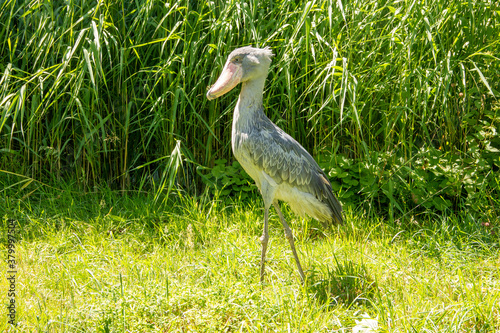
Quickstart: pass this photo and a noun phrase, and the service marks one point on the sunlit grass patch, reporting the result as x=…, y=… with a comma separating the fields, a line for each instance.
x=345, y=282
x=194, y=266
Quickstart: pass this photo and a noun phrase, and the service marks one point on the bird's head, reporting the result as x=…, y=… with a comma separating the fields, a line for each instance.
x=243, y=64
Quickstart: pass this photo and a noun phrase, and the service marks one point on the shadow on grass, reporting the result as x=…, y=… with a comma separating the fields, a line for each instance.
x=346, y=283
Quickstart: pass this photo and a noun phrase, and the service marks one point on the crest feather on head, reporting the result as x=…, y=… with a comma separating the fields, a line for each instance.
x=266, y=51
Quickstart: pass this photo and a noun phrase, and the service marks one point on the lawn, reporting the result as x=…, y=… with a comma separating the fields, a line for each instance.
x=115, y=263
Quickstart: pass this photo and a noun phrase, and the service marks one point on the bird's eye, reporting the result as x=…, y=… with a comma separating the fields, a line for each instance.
x=237, y=60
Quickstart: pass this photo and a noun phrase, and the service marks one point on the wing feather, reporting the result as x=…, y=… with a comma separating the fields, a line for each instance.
x=285, y=160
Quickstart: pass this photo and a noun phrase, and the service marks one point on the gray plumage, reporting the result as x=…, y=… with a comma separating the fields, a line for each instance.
x=281, y=167
x=280, y=156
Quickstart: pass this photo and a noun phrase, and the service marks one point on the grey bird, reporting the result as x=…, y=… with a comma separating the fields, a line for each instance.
x=279, y=165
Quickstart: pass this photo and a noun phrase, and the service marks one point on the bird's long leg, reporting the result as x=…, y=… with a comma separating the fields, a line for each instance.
x=289, y=236
x=263, y=240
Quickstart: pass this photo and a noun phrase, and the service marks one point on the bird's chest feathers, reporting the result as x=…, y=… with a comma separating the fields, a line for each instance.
x=245, y=128
x=239, y=137
x=243, y=124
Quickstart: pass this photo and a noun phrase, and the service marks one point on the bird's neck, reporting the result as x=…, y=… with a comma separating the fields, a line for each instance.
x=249, y=111
x=249, y=103
x=251, y=94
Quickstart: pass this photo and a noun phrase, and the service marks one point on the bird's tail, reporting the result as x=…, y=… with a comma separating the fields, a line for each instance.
x=335, y=207
x=331, y=200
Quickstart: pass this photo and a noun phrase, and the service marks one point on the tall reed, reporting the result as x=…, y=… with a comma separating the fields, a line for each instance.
x=114, y=91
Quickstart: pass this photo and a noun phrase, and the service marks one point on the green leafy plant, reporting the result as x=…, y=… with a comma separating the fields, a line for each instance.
x=432, y=180
x=229, y=180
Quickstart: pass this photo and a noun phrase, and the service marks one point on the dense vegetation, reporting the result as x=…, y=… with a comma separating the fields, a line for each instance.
x=397, y=99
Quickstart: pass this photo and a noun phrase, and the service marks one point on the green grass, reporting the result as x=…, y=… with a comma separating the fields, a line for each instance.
x=108, y=262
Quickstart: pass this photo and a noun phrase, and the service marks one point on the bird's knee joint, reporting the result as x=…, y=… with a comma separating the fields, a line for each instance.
x=288, y=234
x=264, y=239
